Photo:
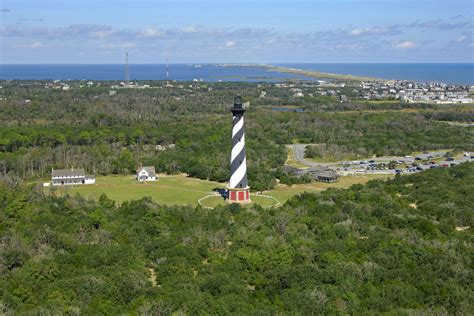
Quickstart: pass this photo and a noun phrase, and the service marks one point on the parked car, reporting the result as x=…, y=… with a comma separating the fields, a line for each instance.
x=449, y=159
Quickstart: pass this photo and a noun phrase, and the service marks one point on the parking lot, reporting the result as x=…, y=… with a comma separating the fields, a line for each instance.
x=407, y=164
x=387, y=165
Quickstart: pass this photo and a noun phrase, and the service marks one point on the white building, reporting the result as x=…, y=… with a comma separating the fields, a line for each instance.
x=146, y=173
x=71, y=177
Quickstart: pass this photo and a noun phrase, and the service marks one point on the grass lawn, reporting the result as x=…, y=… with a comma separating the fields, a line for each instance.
x=182, y=190
x=176, y=189
x=283, y=192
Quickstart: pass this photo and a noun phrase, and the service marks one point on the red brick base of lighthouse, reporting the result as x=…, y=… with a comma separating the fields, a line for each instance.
x=239, y=195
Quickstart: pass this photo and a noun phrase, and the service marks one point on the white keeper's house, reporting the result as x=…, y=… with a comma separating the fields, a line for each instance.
x=146, y=173
x=71, y=177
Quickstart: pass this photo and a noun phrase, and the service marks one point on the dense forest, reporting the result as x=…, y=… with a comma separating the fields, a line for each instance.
x=404, y=246
x=43, y=128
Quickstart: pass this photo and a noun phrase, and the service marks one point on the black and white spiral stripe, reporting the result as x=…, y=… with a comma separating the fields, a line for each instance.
x=238, y=168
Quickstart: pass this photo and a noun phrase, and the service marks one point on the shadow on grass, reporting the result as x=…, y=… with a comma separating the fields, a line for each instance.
x=222, y=192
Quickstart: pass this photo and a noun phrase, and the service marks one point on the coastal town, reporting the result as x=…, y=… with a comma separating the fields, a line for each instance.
x=395, y=90
x=413, y=92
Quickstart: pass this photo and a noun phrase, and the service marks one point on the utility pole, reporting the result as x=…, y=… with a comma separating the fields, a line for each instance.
x=126, y=69
x=167, y=71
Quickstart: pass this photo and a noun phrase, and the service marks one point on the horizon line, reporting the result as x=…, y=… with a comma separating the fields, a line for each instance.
x=240, y=63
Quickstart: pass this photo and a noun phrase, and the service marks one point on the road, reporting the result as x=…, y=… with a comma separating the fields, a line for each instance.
x=298, y=154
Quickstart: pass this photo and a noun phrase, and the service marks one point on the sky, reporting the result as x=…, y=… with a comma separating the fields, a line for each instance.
x=236, y=31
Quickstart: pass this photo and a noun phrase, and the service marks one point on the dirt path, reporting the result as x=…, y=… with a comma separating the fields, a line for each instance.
x=153, y=277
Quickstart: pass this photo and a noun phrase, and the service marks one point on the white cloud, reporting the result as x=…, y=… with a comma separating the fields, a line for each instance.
x=356, y=41
x=461, y=39
x=101, y=34
x=33, y=45
x=151, y=32
x=230, y=44
x=405, y=45
x=464, y=41
x=91, y=30
x=357, y=32
x=446, y=24
x=189, y=29
x=119, y=45
x=371, y=31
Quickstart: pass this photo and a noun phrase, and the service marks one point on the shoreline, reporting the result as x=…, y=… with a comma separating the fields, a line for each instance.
x=319, y=75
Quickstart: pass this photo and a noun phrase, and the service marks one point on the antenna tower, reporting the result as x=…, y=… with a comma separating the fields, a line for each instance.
x=126, y=69
x=167, y=71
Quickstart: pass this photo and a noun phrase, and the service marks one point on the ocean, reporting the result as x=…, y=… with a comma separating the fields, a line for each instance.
x=448, y=73
x=181, y=72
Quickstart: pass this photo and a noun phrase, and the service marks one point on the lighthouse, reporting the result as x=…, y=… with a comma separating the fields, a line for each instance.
x=238, y=189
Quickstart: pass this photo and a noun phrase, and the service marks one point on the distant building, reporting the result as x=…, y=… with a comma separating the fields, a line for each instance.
x=71, y=177
x=321, y=174
x=292, y=170
x=146, y=173
x=164, y=147
x=327, y=176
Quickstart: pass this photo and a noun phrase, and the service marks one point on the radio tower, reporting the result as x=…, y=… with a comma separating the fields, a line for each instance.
x=238, y=189
x=126, y=69
x=167, y=71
